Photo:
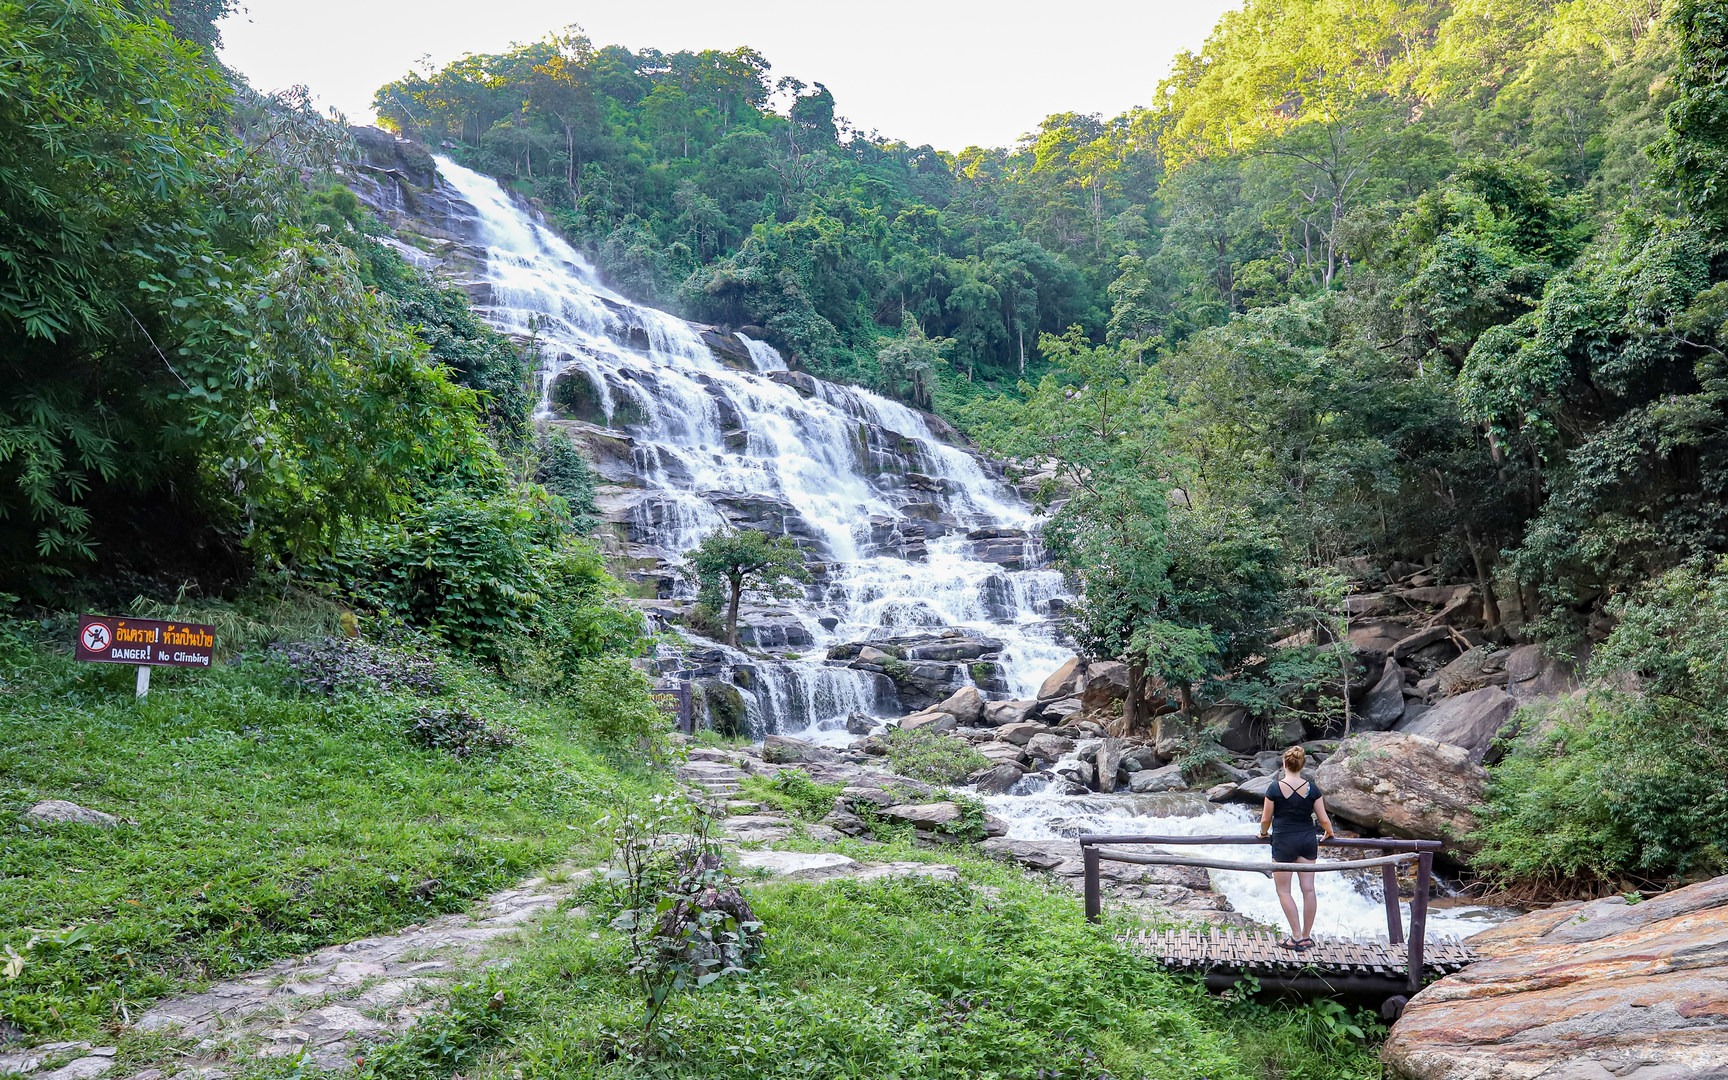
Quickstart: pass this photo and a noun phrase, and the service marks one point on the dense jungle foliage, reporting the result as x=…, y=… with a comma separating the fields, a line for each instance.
x=1434, y=280
x=218, y=371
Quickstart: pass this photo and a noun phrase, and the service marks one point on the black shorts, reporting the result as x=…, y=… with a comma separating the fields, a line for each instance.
x=1288, y=847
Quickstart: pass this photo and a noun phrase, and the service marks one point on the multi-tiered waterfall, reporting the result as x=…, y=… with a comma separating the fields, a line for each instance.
x=916, y=544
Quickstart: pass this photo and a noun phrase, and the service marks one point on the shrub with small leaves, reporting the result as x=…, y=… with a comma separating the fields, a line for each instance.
x=459, y=732
x=684, y=916
x=332, y=665
x=932, y=756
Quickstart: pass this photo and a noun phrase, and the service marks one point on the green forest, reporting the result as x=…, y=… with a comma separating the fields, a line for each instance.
x=1417, y=280
x=1434, y=283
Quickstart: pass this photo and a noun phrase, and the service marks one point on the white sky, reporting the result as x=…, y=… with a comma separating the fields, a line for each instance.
x=951, y=73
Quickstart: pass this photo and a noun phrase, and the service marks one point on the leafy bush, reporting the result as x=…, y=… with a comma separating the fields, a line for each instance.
x=564, y=472
x=1625, y=779
x=459, y=732
x=793, y=791
x=614, y=709
x=685, y=917
x=331, y=665
x=932, y=756
x=464, y=564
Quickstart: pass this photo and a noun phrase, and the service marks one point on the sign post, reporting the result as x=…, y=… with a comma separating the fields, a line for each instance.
x=147, y=643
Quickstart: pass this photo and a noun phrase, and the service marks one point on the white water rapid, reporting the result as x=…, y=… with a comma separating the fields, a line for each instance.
x=1351, y=903
x=864, y=483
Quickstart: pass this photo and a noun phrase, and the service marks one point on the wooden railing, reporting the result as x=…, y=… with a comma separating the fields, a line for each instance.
x=1095, y=848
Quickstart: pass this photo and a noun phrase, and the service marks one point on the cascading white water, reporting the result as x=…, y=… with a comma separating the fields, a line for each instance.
x=765, y=356
x=830, y=463
x=833, y=464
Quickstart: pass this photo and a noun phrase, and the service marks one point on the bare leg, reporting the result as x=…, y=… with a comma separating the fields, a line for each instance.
x=1281, y=880
x=1309, y=904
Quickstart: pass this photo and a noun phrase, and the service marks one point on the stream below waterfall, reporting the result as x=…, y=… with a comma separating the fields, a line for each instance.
x=1351, y=902
x=896, y=520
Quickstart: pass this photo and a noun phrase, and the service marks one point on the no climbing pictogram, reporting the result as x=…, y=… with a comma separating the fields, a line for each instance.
x=96, y=637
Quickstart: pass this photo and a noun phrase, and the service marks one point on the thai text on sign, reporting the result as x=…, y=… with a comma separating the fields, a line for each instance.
x=110, y=640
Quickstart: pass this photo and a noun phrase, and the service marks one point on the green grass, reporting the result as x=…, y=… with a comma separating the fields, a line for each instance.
x=261, y=824
x=997, y=975
x=791, y=791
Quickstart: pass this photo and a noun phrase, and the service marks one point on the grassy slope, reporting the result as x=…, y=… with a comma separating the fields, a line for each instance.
x=268, y=823
x=997, y=975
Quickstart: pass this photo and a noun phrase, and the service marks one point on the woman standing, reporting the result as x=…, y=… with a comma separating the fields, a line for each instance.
x=1292, y=803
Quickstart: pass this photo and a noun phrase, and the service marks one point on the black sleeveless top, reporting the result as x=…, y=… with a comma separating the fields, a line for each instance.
x=1292, y=813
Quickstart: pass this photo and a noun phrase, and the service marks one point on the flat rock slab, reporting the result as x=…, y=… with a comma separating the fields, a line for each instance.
x=796, y=865
x=61, y=812
x=827, y=866
x=1584, y=992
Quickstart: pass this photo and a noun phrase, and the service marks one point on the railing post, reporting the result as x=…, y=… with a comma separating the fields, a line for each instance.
x=1419, y=918
x=1394, y=917
x=1094, y=902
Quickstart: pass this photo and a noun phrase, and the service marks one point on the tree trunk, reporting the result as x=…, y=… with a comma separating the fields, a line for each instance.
x=1131, y=703
x=737, y=585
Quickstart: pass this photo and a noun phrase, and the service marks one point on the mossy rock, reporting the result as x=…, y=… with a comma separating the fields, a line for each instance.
x=724, y=705
x=575, y=393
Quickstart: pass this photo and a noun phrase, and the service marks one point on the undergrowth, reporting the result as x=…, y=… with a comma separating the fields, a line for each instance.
x=994, y=975
x=792, y=791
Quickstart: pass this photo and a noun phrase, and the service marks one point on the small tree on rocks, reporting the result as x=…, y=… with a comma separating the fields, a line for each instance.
x=734, y=561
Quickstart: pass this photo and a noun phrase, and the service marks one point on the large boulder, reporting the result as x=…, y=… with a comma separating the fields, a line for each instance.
x=996, y=779
x=932, y=719
x=1234, y=729
x=1531, y=673
x=1109, y=762
x=1019, y=734
x=1148, y=781
x=1590, y=991
x=1398, y=784
x=1003, y=713
x=1470, y=721
x=1384, y=706
x=1066, y=681
x=1481, y=666
x=1002, y=753
x=1049, y=747
x=1106, y=686
x=965, y=705
x=785, y=750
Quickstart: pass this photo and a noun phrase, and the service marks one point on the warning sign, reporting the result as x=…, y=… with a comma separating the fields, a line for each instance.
x=110, y=640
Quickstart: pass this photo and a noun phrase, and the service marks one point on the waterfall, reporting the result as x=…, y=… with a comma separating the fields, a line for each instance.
x=909, y=533
x=765, y=356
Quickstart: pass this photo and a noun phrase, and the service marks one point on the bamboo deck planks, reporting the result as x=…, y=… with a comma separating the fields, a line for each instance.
x=1254, y=952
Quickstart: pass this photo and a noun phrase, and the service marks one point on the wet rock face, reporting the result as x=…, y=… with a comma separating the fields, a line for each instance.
x=1598, y=990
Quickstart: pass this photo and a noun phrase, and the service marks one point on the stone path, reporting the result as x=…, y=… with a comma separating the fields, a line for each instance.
x=333, y=1004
